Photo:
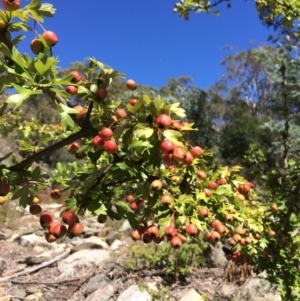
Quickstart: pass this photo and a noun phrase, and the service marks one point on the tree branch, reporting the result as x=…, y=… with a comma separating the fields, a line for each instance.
x=54, y=96
x=25, y=163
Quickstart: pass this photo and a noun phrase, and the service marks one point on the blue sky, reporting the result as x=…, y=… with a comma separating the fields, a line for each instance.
x=147, y=41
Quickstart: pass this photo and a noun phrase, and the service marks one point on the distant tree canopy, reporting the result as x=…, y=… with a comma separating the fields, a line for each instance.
x=271, y=12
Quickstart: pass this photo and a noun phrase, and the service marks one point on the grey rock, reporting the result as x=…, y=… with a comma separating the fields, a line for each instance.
x=125, y=226
x=226, y=290
x=3, y=265
x=85, y=246
x=17, y=292
x=32, y=297
x=111, y=237
x=33, y=260
x=95, y=240
x=88, y=232
x=32, y=240
x=5, y=234
x=7, y=298
x=82, y=258
x=191, y=295
x=96, y=282
x=215, y=256
x=116, y=245
x=102, y=294
x=257, y=288
x=32, y=289
x=133, y=293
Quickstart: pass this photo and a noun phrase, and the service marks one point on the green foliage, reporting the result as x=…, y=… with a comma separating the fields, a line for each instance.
x=270, y=11
x=256, y=119
x=176, y=263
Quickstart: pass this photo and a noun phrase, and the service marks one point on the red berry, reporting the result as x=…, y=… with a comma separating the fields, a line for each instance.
x=98, y=142
x=35, y=209
x=133, y=101
x=176, y=242
x=55, y=194
x=76, y=229
x=76, y=76
x=105, y=133
x=50, y=38
x=73, y=148
x=170, y=232
x=69, y=217
x=191, y=229
x=102, y=93
x=164, y=121
x=196, y=151
x=110, y=146
x=46, y=219
x=131, y=85
x=121, y=113
x=4, y=188
x=167, y=147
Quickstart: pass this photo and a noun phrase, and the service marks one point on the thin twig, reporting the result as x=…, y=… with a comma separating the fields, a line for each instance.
x=83, y=277
x=38, y=267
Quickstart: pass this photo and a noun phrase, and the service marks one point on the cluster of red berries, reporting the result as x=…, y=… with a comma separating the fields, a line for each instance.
x=69, y=225
x=104, y=141
x=151, y=233
x=175, y=155
x=37, y=45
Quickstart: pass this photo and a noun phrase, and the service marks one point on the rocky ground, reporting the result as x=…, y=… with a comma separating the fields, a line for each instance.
x=90, y=268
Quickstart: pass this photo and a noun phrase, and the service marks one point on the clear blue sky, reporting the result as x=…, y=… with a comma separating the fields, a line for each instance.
x=147, y=41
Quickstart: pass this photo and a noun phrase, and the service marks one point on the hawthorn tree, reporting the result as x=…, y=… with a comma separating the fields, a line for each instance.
x=131, y=162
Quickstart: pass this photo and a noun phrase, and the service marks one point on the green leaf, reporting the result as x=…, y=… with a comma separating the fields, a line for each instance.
x=40, y=67
x=94, y=156
x=146, y=99
x=83, y=149
x=123, y=166
x=17, y=99
x=4, y=49
x=71, y=204
x=197, y=223
x=17, y=57
x=47, y=10
x=19, y=26
x=83, y=90
x=63, y=81
x=172, y=135
x=143, y=131
x=163, y=222
x=118, y=132
x=175, y=108
x=62, y=108
x=101, y=210
x=61, y=92
x=140, y=144
x=33, y=4
x=66, y=120
x=158, y=103
x=132, y=219
x=23, y=196
x=17, y=39
x=128, y=135
x=99, y=64
x=36, y=174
